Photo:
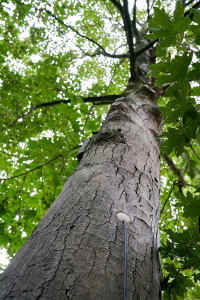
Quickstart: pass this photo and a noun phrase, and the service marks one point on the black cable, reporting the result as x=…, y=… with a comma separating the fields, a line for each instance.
x=125, y=259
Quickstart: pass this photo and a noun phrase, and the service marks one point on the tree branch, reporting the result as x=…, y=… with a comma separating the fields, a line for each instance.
x=108, y=8
x=148, y=11
x=19, y=191
x=3, y=152
x=96, y=100
x=87, y=118
x=97, y=52
x=175, y=170
x=129, y=34
x=168, y=197
x=188, y=267
x=101, y=100
x=104, y=52
x=115, y=69
x=118, y=6
x=43, y=196
x=38, y=167
x=195, y=6
x=146, y=48
x=136, y=33
x=181, y=180
x=189, y=2
x=194, y=151
x=152, y=4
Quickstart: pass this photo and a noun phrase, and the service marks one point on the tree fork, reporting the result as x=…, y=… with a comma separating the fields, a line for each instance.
x=76, y=251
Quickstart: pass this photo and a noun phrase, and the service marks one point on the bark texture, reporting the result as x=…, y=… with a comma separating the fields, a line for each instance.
x=76, y=251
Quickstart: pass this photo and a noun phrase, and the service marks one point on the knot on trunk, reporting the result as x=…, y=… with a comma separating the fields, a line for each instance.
x=153, y=111
x=119, y=111
x=114, y=136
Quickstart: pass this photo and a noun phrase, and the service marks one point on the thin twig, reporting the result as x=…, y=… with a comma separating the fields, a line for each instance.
x=3, y=152
x=111, y=13
x=189, y=2
x=185, y=268
x=197, y=5
x=17, y=107
x=175, y=170
x=104, y=52
x=152, y=5
x=181, y=180
x=87, y=118
x=97, y=52
x=167, y=199
x=194, y=151
x=19, y=191
x=38, y=167
x=181, y=45
x=43, y=196
x=114, y=72
x=22, y=184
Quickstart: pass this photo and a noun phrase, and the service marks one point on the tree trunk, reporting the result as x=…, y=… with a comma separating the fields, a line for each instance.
x=76, y=251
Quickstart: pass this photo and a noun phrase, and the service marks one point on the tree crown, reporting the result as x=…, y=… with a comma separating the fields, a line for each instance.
x=62, y=64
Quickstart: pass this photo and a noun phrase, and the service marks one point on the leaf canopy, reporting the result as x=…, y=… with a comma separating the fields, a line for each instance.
x=57, y=60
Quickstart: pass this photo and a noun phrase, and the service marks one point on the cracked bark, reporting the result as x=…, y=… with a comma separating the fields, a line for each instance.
x=76, y=251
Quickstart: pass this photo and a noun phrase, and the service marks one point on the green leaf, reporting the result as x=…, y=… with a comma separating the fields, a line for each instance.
x=161, y=18
x=190, y=166
x=197, y=40
x=178, y=12
x=196, y=277
x=175, y=141
x=196, y=15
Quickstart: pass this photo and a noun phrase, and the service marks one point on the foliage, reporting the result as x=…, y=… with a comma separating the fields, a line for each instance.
x=44, y=139
x=178, y=67
x=44, y=60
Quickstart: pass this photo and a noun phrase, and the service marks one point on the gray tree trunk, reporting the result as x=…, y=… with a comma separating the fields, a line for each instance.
x=76, y=251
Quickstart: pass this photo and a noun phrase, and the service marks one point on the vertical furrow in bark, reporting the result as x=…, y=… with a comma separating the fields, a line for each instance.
x=76, y=252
